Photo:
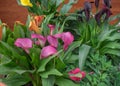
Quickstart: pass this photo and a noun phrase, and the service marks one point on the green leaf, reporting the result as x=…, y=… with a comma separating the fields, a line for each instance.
x=65, y=82
x=5, y=33
x=35, y=56
x=66, y=7
x=60, y=65
x=48, y=81
x=102, y=84
x=18, y=31
x=114, y=37
x=12, y=68
x=58, y=2
x=4, y=60
x=45, y=61
x=71, y=48
x=66, y=19
x=45, y=74
x=28, y=21
x=112, y=51
x=112, y=45
x=83, y=52
x=16, y=80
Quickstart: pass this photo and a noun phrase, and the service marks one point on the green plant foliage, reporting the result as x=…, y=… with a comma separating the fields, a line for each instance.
x=61, y=48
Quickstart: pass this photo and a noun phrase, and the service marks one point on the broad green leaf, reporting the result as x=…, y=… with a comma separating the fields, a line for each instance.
x=83, y=53
x=28, y=21
x=65, y=82
x=112, y=45
x=67, y=18
x=55, y=72
x=102, y=84
x=114, y=17
x=72, y=47
x=35, y=56
x=18, y=31
x=45, y=61
x=13, y=68
x=66, y=7
x=4, y=60
x=5, y=33
x=16, y=80
x=48, y=81
x=112, y=51
x=114, y=37
x=58, y=2
x=60, y=65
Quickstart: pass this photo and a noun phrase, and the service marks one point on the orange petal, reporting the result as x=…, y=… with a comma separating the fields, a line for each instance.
x=34, y=27
x=39, y=19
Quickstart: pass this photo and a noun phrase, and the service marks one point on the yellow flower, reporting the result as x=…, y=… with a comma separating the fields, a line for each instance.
x=26, y=3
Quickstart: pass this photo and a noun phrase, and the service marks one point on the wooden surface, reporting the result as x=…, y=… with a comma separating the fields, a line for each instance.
x=10, y=11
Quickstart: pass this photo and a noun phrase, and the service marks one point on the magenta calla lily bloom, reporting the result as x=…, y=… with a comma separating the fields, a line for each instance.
x=41, y=39
x=24, y=43
x=47, y=51
x=52, y=41
x=76, y=74
x=52, y=27
x=66, y=37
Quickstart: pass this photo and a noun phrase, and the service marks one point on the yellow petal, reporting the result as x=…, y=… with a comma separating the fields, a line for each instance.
x=26, y=3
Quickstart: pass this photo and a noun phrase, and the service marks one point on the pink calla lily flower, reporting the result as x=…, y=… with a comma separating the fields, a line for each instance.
x=52, y=41
x=76, y=74
x=41, y=39
x=52, y=27
x=47, y=51
x=24, y=43
x=67, y=38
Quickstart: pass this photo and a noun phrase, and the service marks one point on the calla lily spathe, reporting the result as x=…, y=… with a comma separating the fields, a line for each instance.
x=24, y=43
x=52, y=27
x=41, y=40
x=26, y=3
x=52, y=41
x=104, y=10
x=97, y=3
x=76, y=74
x=47, y=51
x=66, y=37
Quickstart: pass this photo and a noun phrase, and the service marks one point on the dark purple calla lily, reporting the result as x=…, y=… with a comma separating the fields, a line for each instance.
x=52, y=41
x=87, y=7
x=97, y=3
x=47, y=51
x=24, y=43
x=41, y=40
x=103, y=11
x=107, y=3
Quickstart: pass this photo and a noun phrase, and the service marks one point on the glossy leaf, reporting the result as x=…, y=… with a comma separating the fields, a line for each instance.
x=83, y=53
x=50, y=72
